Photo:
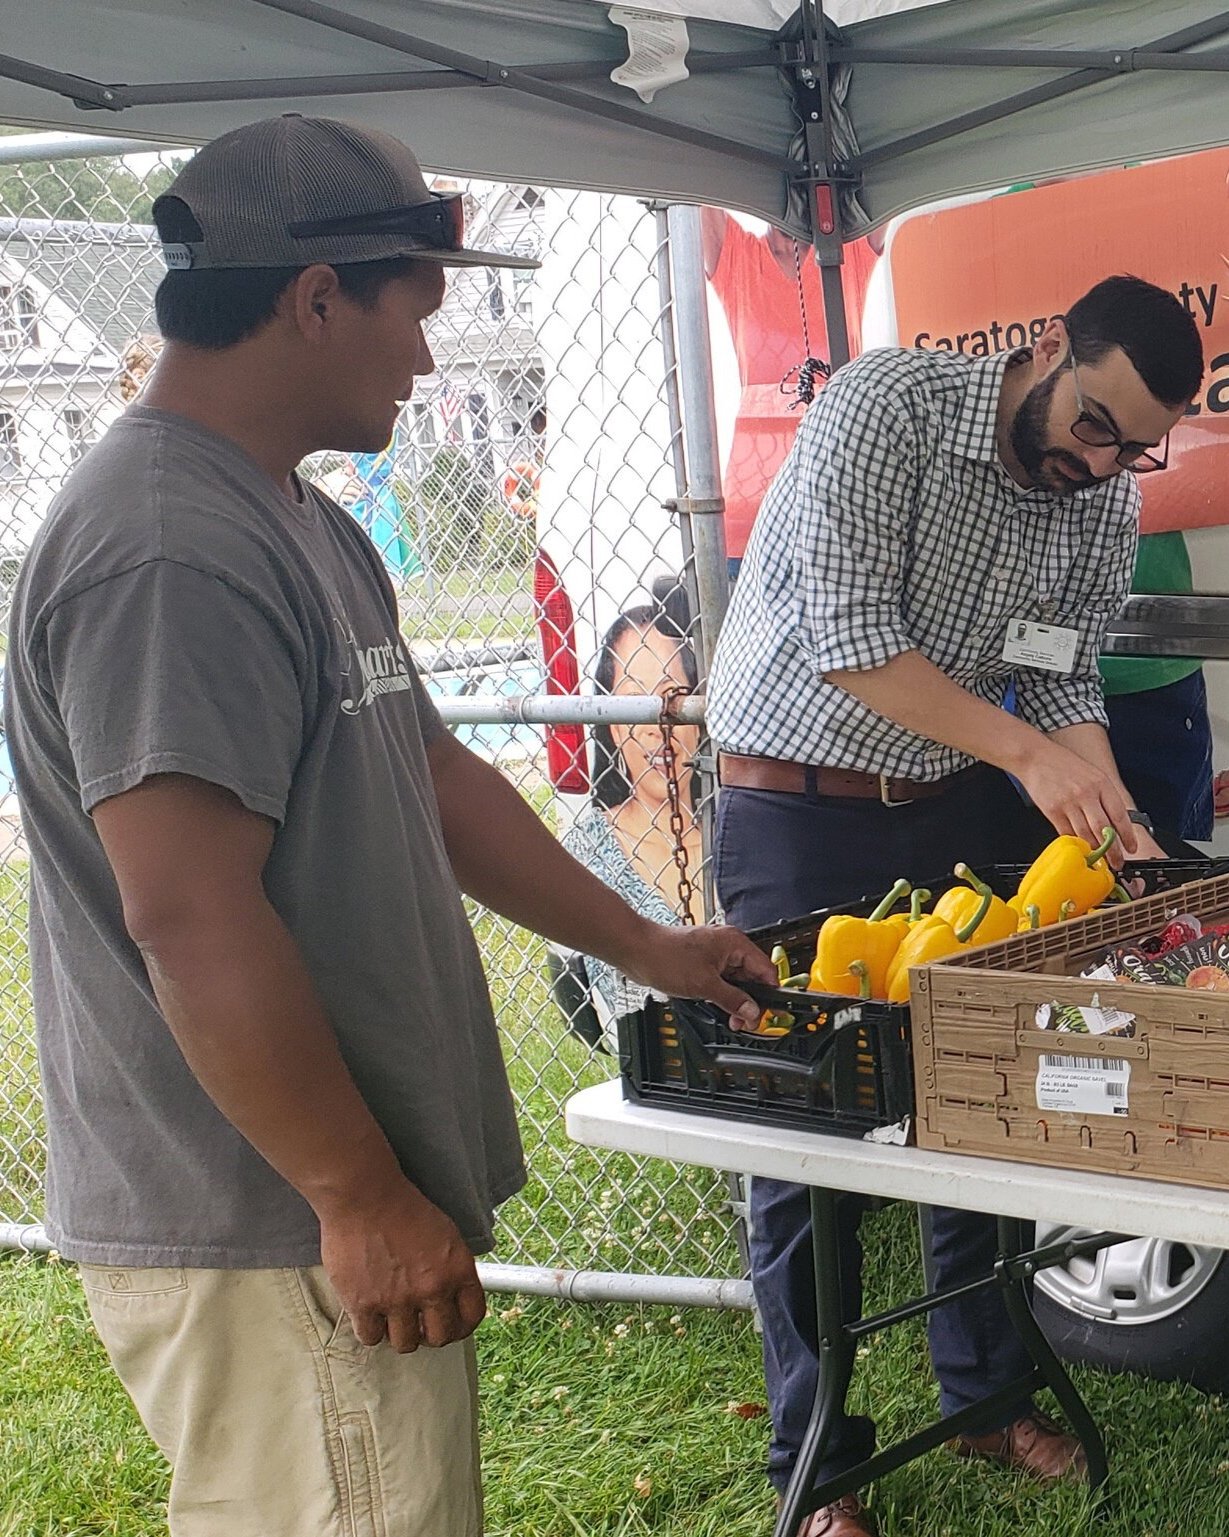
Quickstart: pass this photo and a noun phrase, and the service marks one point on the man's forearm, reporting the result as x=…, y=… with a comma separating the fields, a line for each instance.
x=505, y=857
x=1091, y=741
x=238, y=998
x=1069, y=774
x=916, y=694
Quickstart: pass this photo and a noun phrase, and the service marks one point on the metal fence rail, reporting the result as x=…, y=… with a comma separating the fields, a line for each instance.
x=536, y=458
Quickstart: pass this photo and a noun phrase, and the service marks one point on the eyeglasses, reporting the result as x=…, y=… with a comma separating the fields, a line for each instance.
x=1098, y=433
x=439, y=224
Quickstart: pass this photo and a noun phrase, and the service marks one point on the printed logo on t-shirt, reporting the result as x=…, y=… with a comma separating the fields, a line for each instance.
x=372, y=670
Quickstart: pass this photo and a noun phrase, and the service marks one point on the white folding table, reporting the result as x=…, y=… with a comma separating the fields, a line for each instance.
x=1019, y=1193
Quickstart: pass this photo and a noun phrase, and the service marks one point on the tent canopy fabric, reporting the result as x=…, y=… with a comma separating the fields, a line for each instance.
x=932, y=99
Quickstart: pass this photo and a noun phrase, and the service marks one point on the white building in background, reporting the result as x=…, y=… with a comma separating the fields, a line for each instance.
x=72, y=298
x=489, y=379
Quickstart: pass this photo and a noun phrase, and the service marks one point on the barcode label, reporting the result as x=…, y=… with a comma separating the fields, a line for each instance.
x=1084, y=1064
x=1083, y=1085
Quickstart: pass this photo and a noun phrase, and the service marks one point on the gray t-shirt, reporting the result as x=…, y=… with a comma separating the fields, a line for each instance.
x=179, y=614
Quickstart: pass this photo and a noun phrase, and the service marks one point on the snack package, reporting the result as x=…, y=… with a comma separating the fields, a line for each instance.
x=1200, y=964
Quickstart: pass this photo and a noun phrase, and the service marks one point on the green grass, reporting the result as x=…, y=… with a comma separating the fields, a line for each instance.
x=464, y=604
x=613, y=1422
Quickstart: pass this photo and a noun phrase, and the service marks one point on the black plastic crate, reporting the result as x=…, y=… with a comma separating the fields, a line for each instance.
x=845, y=1064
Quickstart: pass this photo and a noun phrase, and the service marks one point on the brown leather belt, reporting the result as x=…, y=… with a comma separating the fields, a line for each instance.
x=744, y=773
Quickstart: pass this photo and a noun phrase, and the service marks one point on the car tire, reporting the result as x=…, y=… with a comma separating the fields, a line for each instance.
x=1147, y=1306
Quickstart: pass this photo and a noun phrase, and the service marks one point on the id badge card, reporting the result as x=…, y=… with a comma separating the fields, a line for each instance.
x=1050, y=647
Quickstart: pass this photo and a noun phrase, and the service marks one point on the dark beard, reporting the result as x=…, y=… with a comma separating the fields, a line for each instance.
x=1037, y=458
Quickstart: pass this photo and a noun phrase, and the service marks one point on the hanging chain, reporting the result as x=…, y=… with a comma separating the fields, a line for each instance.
x=800, y=381
x=678, y=827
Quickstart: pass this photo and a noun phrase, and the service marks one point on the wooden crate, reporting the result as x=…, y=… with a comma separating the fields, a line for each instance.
x=979, y=1054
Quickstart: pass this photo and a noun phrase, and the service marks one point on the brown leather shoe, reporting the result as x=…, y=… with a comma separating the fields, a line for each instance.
x=846, y=1517
x=1033, y=1445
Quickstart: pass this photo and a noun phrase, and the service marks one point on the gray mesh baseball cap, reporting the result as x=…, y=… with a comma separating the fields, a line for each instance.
x=290, y=191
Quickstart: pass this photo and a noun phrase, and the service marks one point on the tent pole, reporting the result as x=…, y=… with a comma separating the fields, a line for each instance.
x=812, y=95
x=705, y=764
x=674, y=404
x=703, y=506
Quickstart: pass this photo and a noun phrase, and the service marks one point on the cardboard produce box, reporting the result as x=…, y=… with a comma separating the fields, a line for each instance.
x=1000, y=1071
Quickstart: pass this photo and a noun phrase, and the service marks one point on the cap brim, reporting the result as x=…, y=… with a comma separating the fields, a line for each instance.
x=464, y=258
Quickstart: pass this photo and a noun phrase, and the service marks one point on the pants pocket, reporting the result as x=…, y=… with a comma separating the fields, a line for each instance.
x=125, y=1285
x=330, y=1321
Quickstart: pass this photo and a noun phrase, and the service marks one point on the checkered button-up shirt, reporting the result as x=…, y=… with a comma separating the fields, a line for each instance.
x=893, y=526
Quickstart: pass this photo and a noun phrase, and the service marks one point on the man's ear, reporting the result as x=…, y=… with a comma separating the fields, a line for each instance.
x=310, y=301
x=1051, y=347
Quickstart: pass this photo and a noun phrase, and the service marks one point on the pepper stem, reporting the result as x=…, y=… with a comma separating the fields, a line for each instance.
x=1033, y=913
x=967, y=931
x=1066, y=910
x=1119, y=893
x=917, y=901
x=862, y=971
x=1102, y=849
x=901, y=889
x=781, y=961
x=963, y=873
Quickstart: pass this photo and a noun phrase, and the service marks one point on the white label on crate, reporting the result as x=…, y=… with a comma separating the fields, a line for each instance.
x=1075, y=1019
x=1083, y=1085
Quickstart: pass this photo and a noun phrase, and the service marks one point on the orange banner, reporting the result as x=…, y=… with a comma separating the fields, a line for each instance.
x=986, y=277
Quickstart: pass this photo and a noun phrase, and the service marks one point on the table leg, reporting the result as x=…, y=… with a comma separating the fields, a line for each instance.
x=838, y=1340
x=1017, y=1296
x=837, y=1350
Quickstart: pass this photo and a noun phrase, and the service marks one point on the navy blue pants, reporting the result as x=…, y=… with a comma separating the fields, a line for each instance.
x=779, y=856
x=1162, y=741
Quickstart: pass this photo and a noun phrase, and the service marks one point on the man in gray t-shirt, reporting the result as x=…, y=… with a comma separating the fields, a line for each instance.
x=278, y=1119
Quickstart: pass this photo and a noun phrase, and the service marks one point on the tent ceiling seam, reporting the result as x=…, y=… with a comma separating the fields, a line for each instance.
x=1024, y=100
x=491, y=73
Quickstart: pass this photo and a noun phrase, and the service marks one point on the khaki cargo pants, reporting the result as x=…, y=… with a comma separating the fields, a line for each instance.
x=276, y=1421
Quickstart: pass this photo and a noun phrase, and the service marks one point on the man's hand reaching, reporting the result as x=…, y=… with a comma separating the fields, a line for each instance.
x=702, y=963
x=1078, y=797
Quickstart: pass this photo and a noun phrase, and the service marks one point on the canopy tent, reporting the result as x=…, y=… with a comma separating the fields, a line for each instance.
x=927, y=100
x=783, y=107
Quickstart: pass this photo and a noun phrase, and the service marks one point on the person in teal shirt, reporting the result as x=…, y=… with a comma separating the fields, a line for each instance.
x=1158, y=711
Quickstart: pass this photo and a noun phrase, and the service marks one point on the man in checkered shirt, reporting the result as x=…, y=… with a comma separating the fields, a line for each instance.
x=942, y=528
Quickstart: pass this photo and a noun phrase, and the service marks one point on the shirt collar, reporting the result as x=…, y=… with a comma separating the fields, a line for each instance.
x=974, y=433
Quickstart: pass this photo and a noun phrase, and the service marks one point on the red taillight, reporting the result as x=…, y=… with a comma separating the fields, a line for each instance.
x=565, y=745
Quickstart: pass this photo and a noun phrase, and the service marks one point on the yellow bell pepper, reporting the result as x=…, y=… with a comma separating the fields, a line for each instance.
x=1068, y=870
x=1032, y=916
x=931, y=940
x=845, y=941
x=958, y=906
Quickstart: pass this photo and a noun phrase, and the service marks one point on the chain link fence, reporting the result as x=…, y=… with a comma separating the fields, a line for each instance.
x=519, y=512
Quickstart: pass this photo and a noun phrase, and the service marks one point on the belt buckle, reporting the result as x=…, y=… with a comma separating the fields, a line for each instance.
x=886, y=797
